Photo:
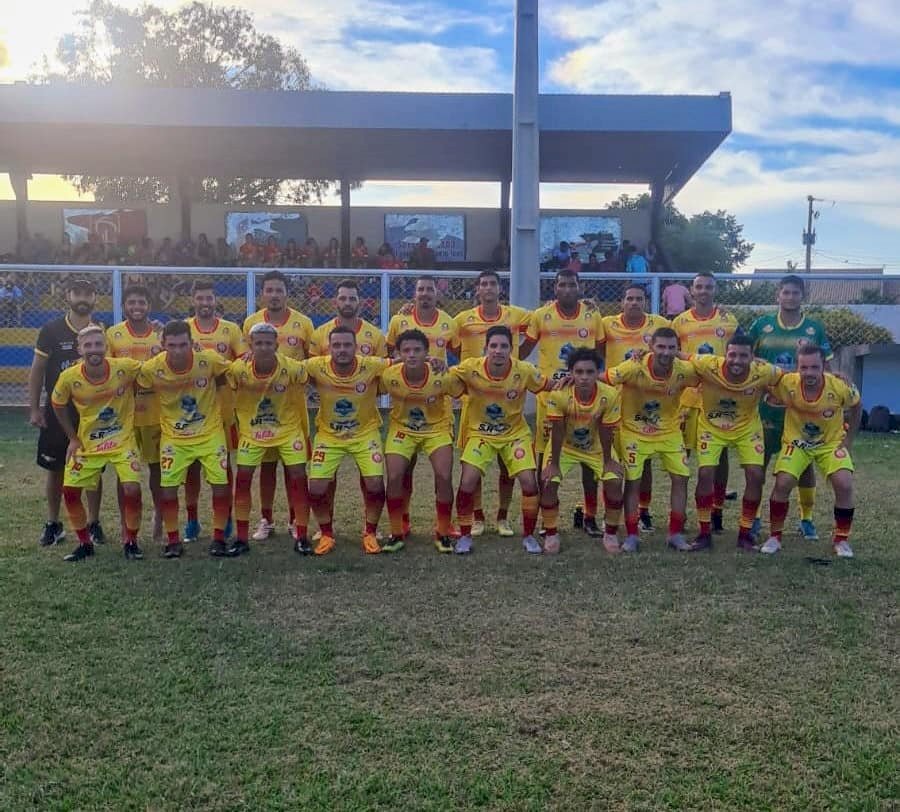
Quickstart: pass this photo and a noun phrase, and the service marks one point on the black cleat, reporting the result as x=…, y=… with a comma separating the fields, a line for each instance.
x=702, y=542
x=731, y=496
x=95, y=531
x=393, y=545
x=217, y=549
x=646, y=521
x=590, y=527
x=53, y=534
x=718, y=525
x=238, y=548
x=133, y=552
x=82, y=551
x=302, y=546
x=174, y=549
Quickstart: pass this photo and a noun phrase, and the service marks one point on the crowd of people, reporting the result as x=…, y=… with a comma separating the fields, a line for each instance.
x=613, y=393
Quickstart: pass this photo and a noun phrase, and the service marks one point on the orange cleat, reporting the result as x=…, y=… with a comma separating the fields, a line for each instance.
x=324, y=546
x=370, y=544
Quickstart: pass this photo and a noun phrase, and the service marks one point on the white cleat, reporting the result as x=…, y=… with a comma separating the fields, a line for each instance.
x=772, y=546
x=263, y=530
x=551, y=544
x=843, y=549
x=477, y=529
x=532, y=546
x=504, y=528
x=611, y=543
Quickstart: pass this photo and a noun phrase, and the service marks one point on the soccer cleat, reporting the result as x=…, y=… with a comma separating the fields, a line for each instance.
x=808, y=530
x=477, y=528
x=191, y=531
x=745, y=542
x=240, y=547
x=82, y=551
x=132, y=552
x=611, y=543
x=646, y=522
x=772, y=546
x=718, y=525
x=263, y=530
x=730, y=496
x=532, y=546
x=96, y=534
x=678, y=542
x=325, y=545
x=631, y=544
x=551, y=544
x=217, y=549
x=229, y=528
x=53, y=534
x=370, y=544
x=842, y=549
x=174, y=549
x=302, y=546
x=317, y=535
x=504, y=528
x=702, y=542
x=756, y=528
x=444, y=544
x=463, y=545
x=394, y=544
x=589, y=525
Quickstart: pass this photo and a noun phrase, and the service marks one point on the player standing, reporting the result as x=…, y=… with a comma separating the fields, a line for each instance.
x=102, y=391
x=56, y=350
x=814, y=432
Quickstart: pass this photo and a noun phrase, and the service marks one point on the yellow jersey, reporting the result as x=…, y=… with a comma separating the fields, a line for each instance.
x=703, y=336
x=441, y=332
x=810, y=423
x=123, y=342
x=188, y=401
x=267, y=407
x=422, y=408
x=650, y=405
x=557, y=335
x=732, y=407
x=294, y=331
x=472, y=326
x=496, y=405
x=581, y=419
x=226, y=339
x=369, y=339
x=348, y=404
x=622, y=341
x=105, y=409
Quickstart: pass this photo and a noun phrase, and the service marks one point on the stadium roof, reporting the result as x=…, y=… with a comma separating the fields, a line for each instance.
x=360, y=136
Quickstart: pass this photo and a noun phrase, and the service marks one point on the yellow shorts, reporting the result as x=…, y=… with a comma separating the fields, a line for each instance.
x=637, y=450
x=147, y=440
x=516, y=452
x=829, y=459
x=689, y=417
x=327, y=455
x=292, y=452
x=543, y=428
x=84, y=470
x=271, y=453
x=175, y=459
x=406, y=443
x=569, y=458
x=749, y=445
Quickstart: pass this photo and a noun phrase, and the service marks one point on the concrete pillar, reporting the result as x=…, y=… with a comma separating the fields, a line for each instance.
x=504, y=211
x=657, y=216
x=183, y=193
x=345, y=223
x=19, y=183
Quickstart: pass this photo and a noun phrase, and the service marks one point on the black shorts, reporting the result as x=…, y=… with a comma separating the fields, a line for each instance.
x=52, y=442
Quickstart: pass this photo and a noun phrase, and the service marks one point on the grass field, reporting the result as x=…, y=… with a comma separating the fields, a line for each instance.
x=420, y=681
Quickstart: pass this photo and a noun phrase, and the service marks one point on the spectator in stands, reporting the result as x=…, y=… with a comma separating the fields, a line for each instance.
x=144, y=254
x=385, y=258
x=636, y=263
x=610, y=264
x=360, y=254
x=223, y=256
x=676, y=298
x=291, y=256
x=422, y=257
x=271, y=257
x=500, y=255
x=91, y=252
x=11, y=300
x=248, y=254
x=165, y=254
x=312, y=254
x=561, y=255
x=331, y=258
x=593, y=266
x=653, y=258
x=65, y=255
x=185, y=254
x=574, y=263
x=204, y=253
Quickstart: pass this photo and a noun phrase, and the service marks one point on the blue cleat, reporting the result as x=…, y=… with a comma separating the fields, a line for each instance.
x=755, y=528
x=808, y=530
x=191, y=531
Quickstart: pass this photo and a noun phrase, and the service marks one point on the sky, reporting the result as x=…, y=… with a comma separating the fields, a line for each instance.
x=815, y=92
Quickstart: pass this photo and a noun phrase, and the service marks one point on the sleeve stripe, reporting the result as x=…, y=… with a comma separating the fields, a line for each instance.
x=41, y=353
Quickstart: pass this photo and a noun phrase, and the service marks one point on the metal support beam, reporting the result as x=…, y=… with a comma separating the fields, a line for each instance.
x=524, y=283
x=182, y=187
x=504, y=211
x=345, y=223
x=657, y=223
x=19, y=183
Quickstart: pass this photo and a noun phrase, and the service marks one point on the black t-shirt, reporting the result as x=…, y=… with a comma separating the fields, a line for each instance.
x=58, y=343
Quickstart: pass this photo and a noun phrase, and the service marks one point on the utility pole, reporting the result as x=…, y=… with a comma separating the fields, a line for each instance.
x=809, y=236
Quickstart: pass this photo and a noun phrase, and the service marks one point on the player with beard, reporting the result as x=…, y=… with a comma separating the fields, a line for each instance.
x=56, y=350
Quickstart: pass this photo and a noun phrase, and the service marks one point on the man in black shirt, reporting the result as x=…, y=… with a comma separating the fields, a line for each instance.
x=57, y=349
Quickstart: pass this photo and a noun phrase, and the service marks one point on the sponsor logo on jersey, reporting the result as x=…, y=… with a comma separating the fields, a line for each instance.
x=343, y=407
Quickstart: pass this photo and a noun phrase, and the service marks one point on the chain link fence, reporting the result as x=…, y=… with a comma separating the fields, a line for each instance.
x=31, y=295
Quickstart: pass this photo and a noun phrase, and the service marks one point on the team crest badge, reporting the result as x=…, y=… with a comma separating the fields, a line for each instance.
x=366, y=349
x=512, y=394
x=376, y=457
x=292, y=340
x=828, y=413
x=768, y=328
x=280, y=387
x=360, y=387
x=222, y=347
x=519, y=453
x=298, y=445
x=840, y=453
x=440, y=342
x=431, y=399
x=201, y=383
x=720, y=332
x=203, y=363
x=583, y=333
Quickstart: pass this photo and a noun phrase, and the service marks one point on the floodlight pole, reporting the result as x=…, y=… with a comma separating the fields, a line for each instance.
x=524, y=250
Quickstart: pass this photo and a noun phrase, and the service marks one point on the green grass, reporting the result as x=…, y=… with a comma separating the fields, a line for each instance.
x=420, y=681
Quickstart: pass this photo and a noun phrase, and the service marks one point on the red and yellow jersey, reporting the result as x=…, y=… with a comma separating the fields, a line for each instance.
x=622, y=341
x=188, y=401
x=472, y=326
x=348, y=404
x=703, y=336
x=496, y=405
x=650, y=405
x=224, y=338
x=557, y=335
x=294, y=331
x=816, y=421
x=727, y=406
x=369, y=339
x=267, y=407
x=581, y=419
x=105, y=409
x=441, y=332
x=123, y=342
x=422, y=408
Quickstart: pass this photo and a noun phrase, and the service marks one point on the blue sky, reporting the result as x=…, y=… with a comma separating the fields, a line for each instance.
x=815, y=88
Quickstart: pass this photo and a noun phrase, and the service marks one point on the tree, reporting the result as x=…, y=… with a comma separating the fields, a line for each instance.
x=710, y=241
x=197, y=45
